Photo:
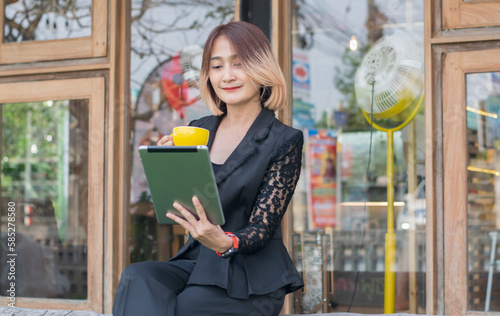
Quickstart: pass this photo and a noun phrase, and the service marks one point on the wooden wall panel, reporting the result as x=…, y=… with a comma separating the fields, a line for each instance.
x=281, y=38
x=457, y=21
x=100, y=23
x=95, y=263
x=459, y=14
x=282, y=48
x=118, y=152
x=455, y=185
x=434, y=289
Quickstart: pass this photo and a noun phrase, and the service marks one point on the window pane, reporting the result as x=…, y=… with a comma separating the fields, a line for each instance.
x=31, y=20
x=483, y=184
x=345, y=54
x=44, y=198
x=167, y=42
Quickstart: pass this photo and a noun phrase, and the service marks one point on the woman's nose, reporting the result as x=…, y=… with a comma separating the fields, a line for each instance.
x=228, y=74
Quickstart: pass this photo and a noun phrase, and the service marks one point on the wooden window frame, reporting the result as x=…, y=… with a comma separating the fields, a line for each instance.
x=92, y=89
x=456, y=65
x=459, y=14
x=94, y=45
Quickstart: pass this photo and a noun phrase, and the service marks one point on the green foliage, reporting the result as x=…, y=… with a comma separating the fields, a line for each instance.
x=344, y=82
x=17, y=140
x=325, y=121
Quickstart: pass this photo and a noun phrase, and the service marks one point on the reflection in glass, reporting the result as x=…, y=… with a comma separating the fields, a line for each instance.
x=31, y=20
x=44, y=196
x=167, y=42
x=483, y=184
x=339, y=240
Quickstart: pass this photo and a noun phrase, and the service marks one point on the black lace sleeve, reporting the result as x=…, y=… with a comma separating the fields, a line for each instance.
x=274, y=195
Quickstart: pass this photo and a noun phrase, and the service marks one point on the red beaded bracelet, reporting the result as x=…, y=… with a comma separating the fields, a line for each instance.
x=233, y=248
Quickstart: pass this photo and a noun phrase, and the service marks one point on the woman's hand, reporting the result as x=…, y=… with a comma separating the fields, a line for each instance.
x=212, y=236
x=166, y=140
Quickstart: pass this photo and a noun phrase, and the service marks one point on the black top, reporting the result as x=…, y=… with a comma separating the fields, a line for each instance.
x=216, y=167
x=255, y=186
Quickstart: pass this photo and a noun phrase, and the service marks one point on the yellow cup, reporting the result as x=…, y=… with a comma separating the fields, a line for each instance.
x=190, y=136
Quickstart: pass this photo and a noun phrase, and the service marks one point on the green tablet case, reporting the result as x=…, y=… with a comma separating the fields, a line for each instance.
x=177, y=173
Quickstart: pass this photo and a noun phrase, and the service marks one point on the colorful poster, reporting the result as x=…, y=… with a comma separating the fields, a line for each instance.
x=301, y=75
x=321, y=166
x=303, y=114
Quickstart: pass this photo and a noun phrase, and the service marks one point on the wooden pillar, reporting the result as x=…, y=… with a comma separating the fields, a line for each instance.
x=281, y=39
x=118, y=150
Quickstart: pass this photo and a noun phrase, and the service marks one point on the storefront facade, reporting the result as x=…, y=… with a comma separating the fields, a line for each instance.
x=395, y=211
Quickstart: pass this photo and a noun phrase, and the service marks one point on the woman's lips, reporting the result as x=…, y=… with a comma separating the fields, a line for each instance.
x=229, y=89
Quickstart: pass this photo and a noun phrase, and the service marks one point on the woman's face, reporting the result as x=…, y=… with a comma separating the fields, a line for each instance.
x=229, y=80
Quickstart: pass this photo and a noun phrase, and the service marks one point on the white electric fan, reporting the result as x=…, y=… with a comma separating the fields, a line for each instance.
x=389, y=86
x=190, y=60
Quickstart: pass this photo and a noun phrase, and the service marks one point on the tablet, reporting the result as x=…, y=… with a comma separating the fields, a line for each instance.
x=176, y=174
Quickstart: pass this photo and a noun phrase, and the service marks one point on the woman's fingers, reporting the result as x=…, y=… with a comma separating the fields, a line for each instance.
x=189, y=222
x=179, y=220
x=200, y=210
x=211, y=236
x=166, y=140
x=187, y=214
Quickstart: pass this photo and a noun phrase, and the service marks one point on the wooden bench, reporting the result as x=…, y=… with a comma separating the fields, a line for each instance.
x=14, y=311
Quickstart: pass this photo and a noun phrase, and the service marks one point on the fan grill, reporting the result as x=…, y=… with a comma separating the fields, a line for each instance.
x=393, y=65
x=190, y=59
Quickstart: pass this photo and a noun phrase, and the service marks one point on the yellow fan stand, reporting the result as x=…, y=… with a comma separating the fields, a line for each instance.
x=390, y=236
x=389, y=85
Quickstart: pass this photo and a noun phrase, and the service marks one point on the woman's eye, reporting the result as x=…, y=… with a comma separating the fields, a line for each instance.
x=237, y=64
x=216, y=67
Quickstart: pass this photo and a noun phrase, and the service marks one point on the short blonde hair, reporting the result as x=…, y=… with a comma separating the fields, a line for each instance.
x=257, y=59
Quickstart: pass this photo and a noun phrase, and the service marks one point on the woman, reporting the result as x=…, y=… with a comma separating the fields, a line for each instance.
x=241, y=268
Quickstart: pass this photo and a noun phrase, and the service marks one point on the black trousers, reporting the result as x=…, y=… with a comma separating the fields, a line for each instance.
x=159, y=288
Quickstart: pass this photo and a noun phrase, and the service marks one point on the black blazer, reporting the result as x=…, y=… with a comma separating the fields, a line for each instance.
x=269, y=267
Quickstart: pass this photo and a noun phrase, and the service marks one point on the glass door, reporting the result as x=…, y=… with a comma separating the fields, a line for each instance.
x=471, y=102
x=51, y=218
x=361, y=195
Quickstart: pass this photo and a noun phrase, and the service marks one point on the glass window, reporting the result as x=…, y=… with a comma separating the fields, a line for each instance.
x=483, y=183
x=31, y=20
x=44, y=181
x=167, y=41
x=353, y=205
